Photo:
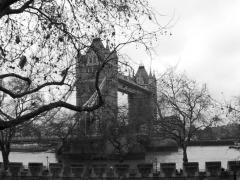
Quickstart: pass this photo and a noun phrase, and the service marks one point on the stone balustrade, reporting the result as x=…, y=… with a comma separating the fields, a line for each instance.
x=213, y=168
x=190, y=170
x=234, y=166
x=55, y=169
x=168, y=169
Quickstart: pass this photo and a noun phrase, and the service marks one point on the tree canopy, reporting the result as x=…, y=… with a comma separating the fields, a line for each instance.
x=40, y=41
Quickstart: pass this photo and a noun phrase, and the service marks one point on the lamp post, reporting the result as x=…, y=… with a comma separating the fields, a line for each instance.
x=155, y=161
x=47, y=162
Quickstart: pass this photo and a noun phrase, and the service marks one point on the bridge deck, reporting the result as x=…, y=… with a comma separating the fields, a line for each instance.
x=127, y=85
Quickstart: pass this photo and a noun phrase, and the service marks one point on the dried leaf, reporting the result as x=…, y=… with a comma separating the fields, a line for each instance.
x=23, y=61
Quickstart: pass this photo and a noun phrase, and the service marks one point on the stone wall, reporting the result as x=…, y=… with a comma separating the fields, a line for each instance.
x=189, y=171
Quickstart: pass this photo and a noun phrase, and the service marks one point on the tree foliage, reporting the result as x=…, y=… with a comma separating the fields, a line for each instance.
x=40, y=41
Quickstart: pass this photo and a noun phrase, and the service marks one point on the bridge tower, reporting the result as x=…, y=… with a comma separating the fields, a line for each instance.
x=142, y=106
x=86, y=68
x=141, y=89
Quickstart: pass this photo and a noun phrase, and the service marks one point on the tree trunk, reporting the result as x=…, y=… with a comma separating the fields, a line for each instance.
x=185, y=158
x=5, y=155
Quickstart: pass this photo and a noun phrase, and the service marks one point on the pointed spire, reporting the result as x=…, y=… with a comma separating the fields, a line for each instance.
x=150, y=73
x=154, y=75
x=142, y=75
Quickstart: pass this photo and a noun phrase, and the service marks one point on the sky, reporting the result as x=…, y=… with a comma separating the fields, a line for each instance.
x=205, y=43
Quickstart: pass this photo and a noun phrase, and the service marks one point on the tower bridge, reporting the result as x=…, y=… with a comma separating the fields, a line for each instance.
x=141, y=88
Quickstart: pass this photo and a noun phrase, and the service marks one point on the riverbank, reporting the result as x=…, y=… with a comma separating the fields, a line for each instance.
x=29, y=148
x=170, y=147
x=158, y=144
x=162, y=149
x=211, y=143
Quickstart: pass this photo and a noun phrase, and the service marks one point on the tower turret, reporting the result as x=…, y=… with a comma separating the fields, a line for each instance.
x=141, y=76
x=152, y=86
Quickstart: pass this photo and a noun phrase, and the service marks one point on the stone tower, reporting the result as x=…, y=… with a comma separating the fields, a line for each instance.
x=86, y=68
x=142, y=107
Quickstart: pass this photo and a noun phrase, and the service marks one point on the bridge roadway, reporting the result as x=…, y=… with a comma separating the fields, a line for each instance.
x=127, y=85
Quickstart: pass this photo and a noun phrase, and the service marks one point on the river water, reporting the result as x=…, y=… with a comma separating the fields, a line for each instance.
x=199, y=154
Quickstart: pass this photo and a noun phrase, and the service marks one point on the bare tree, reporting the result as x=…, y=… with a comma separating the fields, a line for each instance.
x=40, y=41
x=15, y=108
x=119, y=136
x=184, y=108
x=63, y=126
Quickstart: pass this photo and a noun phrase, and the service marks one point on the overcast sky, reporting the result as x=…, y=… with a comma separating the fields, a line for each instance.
x=205, y=43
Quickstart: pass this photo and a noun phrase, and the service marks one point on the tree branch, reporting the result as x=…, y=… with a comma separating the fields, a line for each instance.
x=19, y=95
x=28, y=80
x=6, y=10
x=44, y=108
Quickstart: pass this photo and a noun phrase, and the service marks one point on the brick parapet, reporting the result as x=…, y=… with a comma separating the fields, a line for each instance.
x=213, y=170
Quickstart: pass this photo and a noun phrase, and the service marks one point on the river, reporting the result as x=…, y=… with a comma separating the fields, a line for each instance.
x=199, y=154
x=195, y=154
